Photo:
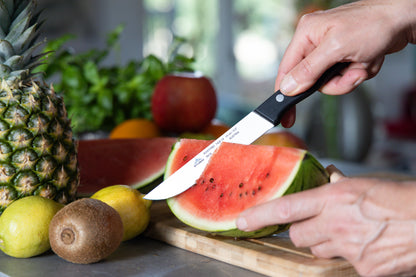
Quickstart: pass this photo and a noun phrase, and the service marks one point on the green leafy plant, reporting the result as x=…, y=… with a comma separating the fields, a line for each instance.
x=99, y=97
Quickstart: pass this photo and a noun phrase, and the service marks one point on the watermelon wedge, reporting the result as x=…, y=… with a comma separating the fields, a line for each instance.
x=236, y=178
x=133, y=162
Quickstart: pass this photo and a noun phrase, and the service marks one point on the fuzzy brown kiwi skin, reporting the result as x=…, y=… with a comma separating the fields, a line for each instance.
x=85, y=231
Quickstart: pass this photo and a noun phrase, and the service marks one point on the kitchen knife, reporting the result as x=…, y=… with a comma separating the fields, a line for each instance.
x=246, y=131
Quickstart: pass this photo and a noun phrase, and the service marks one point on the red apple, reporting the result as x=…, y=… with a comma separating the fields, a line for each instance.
x=184, y=102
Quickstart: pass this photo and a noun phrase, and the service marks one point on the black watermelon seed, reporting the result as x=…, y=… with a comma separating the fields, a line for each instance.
x=240, y=185
x=241, y=195
x=222, y=194
x=211, y=180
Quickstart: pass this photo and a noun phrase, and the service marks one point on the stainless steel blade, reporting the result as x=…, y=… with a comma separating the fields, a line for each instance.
x=246, y=131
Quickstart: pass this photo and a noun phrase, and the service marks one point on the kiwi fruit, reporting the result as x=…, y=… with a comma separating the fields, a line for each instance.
x=85, y=231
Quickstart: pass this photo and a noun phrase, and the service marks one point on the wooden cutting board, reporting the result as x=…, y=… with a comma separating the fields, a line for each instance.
x=273, y=256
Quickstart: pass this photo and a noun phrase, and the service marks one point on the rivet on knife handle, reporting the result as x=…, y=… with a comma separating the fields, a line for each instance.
x=276, y=105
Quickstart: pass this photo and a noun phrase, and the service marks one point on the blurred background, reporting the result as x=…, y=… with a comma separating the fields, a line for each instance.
x=238, y=44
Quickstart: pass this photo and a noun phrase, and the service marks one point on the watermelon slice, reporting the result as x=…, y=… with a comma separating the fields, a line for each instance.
x=236, y=178
x=133, y=162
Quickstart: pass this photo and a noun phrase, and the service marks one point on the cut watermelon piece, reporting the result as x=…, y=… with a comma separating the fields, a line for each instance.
x=238, y=177
x=133, y=162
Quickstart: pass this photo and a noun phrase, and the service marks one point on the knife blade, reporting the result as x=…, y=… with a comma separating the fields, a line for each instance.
x=246, y=131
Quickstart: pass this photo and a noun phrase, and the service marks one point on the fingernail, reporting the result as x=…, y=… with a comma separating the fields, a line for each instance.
x=288, y=84
x=241, y=223
x=358, y=82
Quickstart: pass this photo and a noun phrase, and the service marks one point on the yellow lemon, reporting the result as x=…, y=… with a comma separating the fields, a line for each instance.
x=24, y=226
x=129, y=203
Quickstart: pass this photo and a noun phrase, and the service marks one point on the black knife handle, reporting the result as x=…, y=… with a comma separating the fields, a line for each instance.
x=276, y=105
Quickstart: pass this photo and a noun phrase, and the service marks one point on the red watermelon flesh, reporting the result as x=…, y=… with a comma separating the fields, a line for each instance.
x=133, y=162
x=238, y=177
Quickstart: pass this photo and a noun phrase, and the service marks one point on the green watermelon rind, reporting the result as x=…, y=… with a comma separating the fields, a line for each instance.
x=144, y=186
x=172, y=154
x=308, y=173
x=155, y=178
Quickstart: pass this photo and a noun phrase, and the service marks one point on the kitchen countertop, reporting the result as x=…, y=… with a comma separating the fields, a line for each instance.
x=142, y=256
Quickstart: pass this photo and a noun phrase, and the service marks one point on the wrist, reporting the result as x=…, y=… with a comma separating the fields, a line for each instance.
x=408, y=15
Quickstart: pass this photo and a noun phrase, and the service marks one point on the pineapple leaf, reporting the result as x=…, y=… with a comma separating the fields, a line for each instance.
x=6, y=49
x=20, y=24
x=4, y=19
x=9, y=6
x=4, y=70
x=27, y=55
x=22, y=41
x=14, y=62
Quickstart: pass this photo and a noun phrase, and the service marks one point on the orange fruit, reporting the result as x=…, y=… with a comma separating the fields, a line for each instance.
x=281, y=138
x=215, y=128
x=135, y=128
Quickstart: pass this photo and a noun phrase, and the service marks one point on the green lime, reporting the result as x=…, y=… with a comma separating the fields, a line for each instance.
x=24, y=226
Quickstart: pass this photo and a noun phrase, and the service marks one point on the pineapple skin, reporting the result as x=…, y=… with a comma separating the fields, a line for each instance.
x=38, y=155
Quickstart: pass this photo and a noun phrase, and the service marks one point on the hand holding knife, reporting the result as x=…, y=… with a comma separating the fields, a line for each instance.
x=246, y=131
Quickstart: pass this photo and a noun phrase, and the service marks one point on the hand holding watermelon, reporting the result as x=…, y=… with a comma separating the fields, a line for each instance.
x=368, y=221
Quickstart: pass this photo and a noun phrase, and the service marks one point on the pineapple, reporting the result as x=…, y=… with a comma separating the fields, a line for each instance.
x=37, y=150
